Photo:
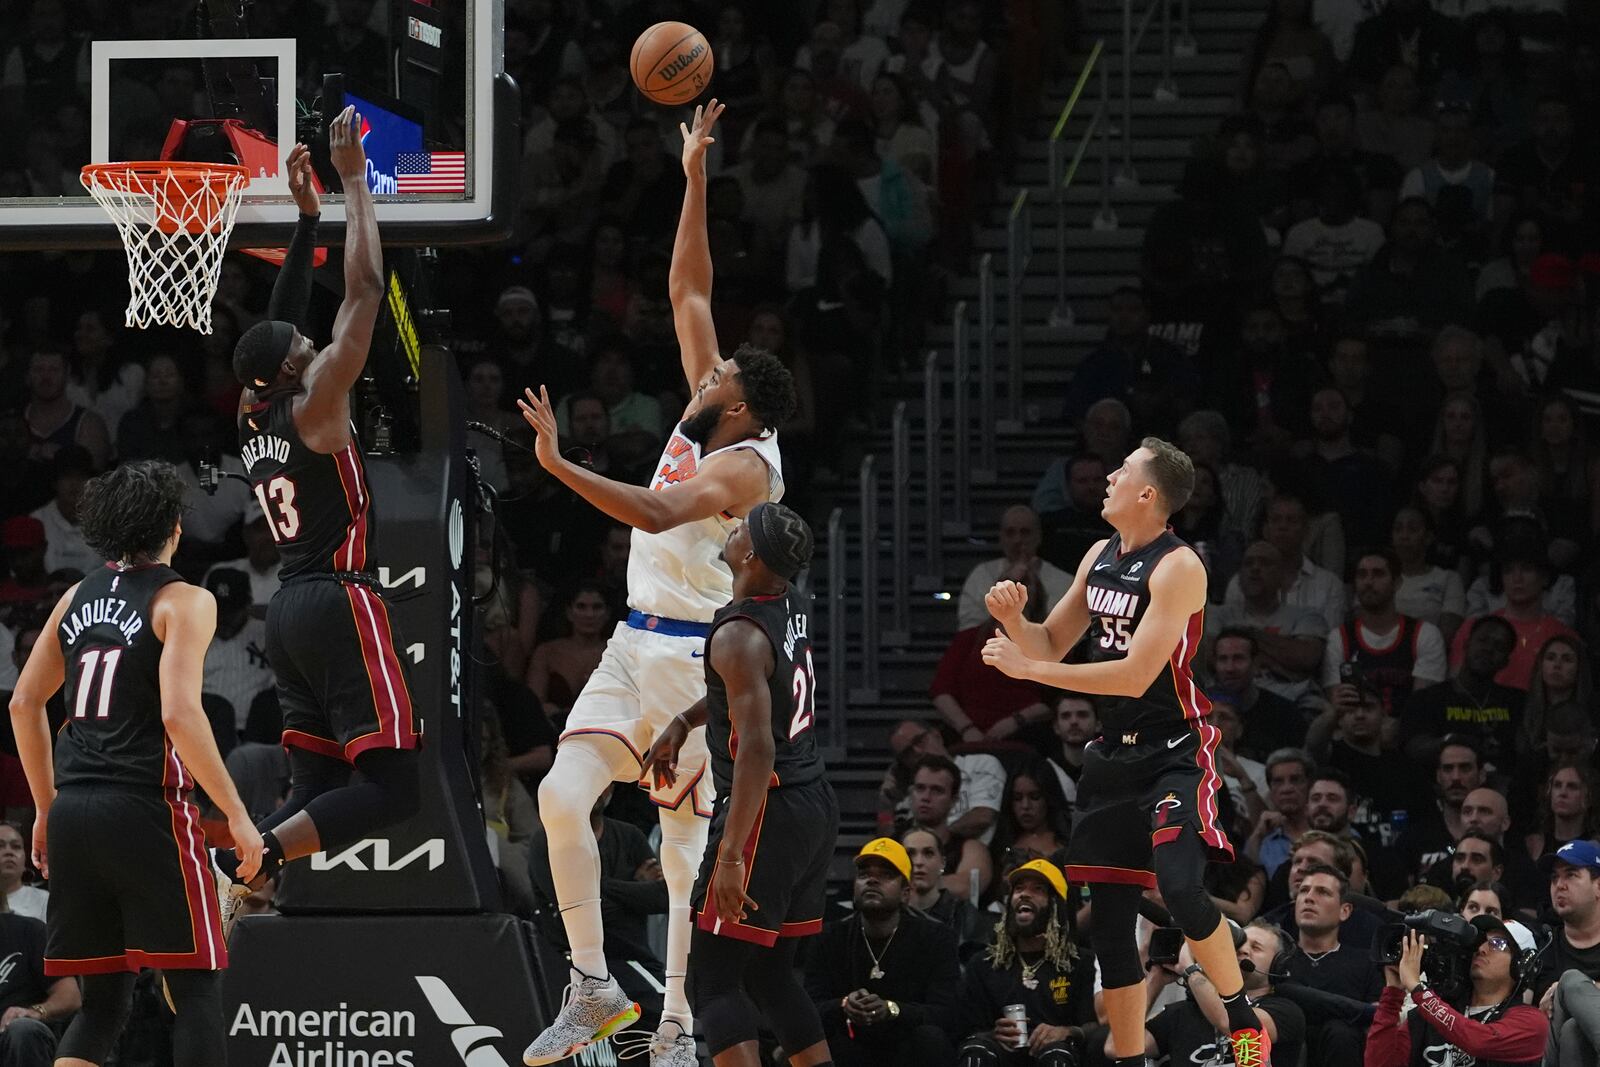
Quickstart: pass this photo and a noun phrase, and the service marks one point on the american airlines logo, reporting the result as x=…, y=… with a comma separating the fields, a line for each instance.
x=373, y=854
x=472, y=1039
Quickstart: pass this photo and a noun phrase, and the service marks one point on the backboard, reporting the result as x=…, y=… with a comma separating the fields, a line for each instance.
x=241, y=81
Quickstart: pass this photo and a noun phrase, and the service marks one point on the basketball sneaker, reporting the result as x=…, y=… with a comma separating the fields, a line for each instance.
x=1251, y=1048
x=669, y=1046
x=591, y=1009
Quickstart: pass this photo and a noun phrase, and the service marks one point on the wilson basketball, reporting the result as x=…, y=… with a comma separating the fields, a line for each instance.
x=671, y=63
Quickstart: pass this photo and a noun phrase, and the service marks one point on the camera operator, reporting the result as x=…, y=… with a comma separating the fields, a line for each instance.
x=1493, y=1030
x=1195, y=1029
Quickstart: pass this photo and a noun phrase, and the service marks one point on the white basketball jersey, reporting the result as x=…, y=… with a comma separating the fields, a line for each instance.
x=679, y=573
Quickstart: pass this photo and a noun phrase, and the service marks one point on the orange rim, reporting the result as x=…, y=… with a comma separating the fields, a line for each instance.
x=157, y=178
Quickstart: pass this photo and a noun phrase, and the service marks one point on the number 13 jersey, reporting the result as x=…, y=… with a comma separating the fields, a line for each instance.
x=318, y=507
x=1118, y=591
x=791, y=690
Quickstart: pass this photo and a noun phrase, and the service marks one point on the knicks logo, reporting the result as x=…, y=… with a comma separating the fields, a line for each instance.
x=1166, y=806
x=678, y=463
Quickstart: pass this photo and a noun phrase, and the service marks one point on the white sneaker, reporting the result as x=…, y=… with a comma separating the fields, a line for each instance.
x=669, y=1046
x=591, y=1009
x=230, y=895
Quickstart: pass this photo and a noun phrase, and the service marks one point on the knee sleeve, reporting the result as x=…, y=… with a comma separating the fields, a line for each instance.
x=1113, y=921
x=1180, y=872
x=197, y=1039
x=386, y=794
x=776, y=990
x=310, y=775
x=107, y=1000
x=980, y=1052
x=725, y=1011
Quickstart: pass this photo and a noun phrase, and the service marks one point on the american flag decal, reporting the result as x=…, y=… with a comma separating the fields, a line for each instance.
x=431, y=172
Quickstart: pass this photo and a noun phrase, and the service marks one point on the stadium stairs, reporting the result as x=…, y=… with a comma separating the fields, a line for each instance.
x=1097, y=262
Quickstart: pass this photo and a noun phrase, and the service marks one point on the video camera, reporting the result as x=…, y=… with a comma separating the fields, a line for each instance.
x=1447, y=959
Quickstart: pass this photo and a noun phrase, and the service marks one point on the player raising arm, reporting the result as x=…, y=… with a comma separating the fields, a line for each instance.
x=1143, y=592
x=117, y=832
x=721, y=461
x=341, y=683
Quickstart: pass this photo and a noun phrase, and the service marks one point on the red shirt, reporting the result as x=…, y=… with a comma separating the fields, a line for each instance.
x=985, y=694
x=1518, y=1036
x=1531, y=636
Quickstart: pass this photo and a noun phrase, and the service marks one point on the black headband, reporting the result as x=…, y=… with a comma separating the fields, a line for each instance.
x=261, y=351
x=783, y=550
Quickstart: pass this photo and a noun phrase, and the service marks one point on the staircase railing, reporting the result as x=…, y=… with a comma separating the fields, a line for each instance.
x=932, y=444
x=1061, y=172
x=838, y=639
x=1019, y=255
x=961, y=461
x=871, y=642
x=898, y=635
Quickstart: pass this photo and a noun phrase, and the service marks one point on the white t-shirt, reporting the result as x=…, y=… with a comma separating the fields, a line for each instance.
x=1429, y=595
x=1430, y=667
x=1334, y=253
x=981, y=579
x=31, y=901
x=236, y=668
x=64, y=544
x=1313, y=587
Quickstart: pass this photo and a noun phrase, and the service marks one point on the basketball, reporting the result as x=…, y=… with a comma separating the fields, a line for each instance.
x=671, y=63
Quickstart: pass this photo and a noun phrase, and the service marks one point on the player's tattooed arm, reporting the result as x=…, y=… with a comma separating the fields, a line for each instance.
x=689, y=278
x=1177, y=590
x=41, y=676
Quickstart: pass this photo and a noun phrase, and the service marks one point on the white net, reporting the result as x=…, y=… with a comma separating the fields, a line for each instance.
x=174, y=219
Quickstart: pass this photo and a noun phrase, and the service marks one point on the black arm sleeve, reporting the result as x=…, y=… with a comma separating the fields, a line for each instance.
x=291, y=293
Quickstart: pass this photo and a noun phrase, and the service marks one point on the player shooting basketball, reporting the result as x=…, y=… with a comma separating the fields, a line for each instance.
x=1143, y=591
x=342, y=686
x=720, y=462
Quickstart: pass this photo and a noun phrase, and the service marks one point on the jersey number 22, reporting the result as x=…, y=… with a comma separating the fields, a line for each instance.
x=805, y=697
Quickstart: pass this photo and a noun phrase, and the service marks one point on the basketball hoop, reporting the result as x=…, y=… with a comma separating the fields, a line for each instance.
x=174, y=219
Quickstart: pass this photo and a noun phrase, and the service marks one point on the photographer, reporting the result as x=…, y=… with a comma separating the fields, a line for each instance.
x=1494, y=1029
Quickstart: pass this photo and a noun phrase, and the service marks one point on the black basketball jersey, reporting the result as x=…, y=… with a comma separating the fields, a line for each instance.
x=1119, y=594
x=793, y=688
x=318, y=507
x=1386, y=669
x=113, y=733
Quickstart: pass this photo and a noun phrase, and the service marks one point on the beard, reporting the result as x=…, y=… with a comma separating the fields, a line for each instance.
x=1034, y=927
x=698, y=427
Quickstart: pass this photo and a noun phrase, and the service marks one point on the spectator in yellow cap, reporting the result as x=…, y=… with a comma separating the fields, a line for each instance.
x=885, y=980
x=1032, y=962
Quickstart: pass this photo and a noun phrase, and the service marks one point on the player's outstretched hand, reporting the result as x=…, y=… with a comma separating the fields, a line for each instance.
x=301, y=187
x=247, y=845
x=661, y=761
x=538, y=412
x=344, y=146
x=41, y=853
x=1005, y=602
x=1001, y=653
x=697, y=138
x=727, y=891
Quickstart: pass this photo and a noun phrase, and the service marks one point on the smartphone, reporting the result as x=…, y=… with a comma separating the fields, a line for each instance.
x=1165, y=944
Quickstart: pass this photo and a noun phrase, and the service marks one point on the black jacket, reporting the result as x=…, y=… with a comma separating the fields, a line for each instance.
x=920, y=973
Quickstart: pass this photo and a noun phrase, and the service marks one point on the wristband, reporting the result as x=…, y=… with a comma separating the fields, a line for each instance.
x=731, y=863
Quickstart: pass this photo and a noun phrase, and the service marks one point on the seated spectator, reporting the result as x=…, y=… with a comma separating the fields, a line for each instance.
x=1268, y=721
x=631, y=889
x=1490, y=1026
x=1320, y=848
x=1155, y=378
x=54, y=420
x=977, y=700
x=1476, y=857
x=885, y=980
x=1289, y=628
x=236, y=666
x=150, y=430
x=1293, y=292
x=560, y=668
x=1384, y=781
x=1033, y=962
x=1470, y=702
x=30, y=1001
x=509, y=813
x=897, y=198
x=1338, y=146
x=1407, y=32
x=1427, y=591
x=1522, y=240
x=1201, y=523
x=638, y=426
x=1193, y=1030
x=1273, y=101
x=1355, y=484
x=1460, y=187
x=1489, y=79
x=524, y=729
x=927, y=894
x=25, y=588
x=1265, y=388
x=834, y=209
x=1567, y=468
x=1075, y=724
x=1068, y=500
x=1019, y=561
x=1549, y=174
x=1563, y=675
x=644, y=188
x=1570, y=966
x=568, y=100
x=774, y=187
x=1430, y=834
x=1290, y=36
x=897, y=125
x=1394, y=128
x=21, y=898
x=1324, y=962
x=1392, y=652
x=1336, y=242
x=65, y=548
x=1485, y=898
x=1523, y=570
x=1289, y=773
x=104, y=380
x=1245, y=778
x=1206, y=437
x=1569, y=809
x=1035, y=819
x=1437, y=493
x=260, y=560
x=935, y=785
x=1412, y=287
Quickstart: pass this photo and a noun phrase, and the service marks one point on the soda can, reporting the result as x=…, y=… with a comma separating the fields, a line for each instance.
x=1019, y=1012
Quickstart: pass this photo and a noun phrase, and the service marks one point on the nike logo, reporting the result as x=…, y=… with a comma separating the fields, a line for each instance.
x=697, y=655
x=1176, y=741
x=1101, y=566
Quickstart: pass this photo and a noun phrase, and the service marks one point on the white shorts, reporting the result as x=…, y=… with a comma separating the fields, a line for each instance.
x=643, y=680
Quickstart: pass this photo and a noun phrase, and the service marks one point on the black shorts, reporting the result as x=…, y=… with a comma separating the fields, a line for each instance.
x=1165, y=781
x=342, y=684
x=785, y=865
x=131, y=884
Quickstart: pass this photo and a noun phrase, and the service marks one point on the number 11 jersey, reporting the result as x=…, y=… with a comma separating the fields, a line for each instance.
x=318, y=507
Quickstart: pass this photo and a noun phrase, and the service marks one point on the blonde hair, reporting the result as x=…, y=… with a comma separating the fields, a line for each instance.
x=1170, y=471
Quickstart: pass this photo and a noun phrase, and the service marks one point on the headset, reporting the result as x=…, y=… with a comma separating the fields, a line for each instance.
x=1279, y=966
